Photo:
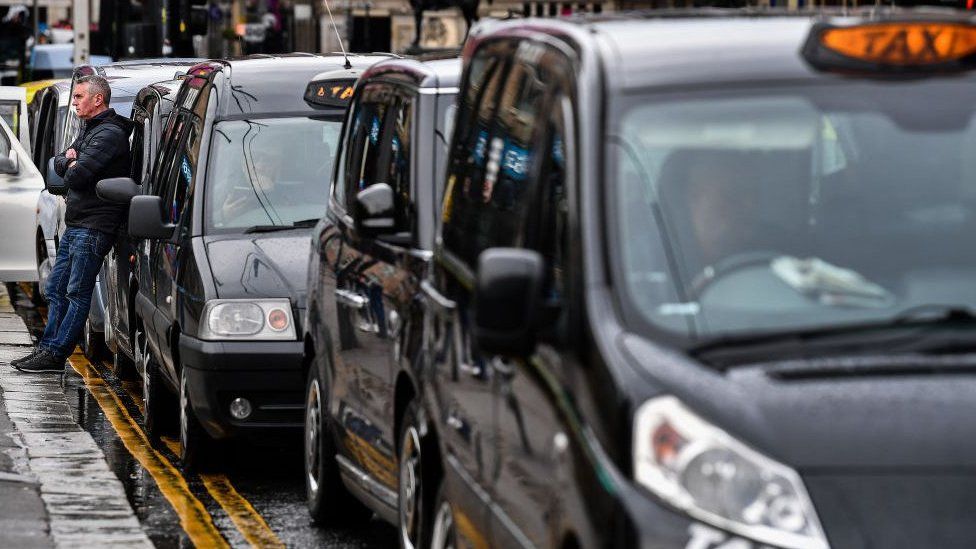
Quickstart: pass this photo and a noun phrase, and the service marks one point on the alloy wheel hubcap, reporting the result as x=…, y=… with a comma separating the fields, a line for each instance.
x=313, y=433
x=410, y=488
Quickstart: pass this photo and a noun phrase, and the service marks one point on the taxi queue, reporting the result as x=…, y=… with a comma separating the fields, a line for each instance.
x=695, y=279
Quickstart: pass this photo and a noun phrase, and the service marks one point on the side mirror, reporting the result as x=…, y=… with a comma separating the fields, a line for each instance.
x=507, y=300
x=146, y=218
x=8, y=164
x=54, y=183
x=374, y=213
x=119, y=190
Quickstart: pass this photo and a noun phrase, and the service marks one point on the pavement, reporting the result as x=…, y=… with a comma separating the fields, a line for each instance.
x=56, y=489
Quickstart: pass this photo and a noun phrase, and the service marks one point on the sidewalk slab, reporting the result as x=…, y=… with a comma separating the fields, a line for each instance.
x=56, y=489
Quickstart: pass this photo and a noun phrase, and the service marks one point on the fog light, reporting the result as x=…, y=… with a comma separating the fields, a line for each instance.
x=240, y=408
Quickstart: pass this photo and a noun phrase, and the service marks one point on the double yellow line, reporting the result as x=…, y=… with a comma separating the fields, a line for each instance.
x=194, y=518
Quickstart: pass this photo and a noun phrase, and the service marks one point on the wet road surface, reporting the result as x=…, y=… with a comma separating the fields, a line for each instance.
x=255, y=495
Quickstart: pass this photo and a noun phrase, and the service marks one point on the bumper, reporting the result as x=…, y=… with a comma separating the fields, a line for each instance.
x=267, y=373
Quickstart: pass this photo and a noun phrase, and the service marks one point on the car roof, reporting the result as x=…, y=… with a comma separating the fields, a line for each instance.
x=666, y=48
x=127, y=79
x=265, y=84
x=435, y=73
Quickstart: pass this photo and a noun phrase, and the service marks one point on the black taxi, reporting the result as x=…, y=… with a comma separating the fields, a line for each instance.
x=363, y=334
x=705, y=280
x=240, y=178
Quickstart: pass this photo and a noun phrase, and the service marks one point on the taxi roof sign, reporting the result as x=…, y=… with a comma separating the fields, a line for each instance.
x=898, y=46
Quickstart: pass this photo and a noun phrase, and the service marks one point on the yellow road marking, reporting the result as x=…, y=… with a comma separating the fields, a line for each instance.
x=194, y=518
x=248, y=521
x=467, y=529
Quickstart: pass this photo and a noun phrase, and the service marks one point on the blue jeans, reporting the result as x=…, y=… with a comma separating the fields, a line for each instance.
x=70, y=286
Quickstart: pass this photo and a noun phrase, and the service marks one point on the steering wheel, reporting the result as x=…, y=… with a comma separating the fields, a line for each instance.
x=726, y=266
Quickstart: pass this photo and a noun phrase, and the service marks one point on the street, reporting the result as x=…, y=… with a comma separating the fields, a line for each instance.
x=256, y=499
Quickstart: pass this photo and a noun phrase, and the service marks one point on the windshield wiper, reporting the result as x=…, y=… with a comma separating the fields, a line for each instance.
x=910, y=327
x=303, y=224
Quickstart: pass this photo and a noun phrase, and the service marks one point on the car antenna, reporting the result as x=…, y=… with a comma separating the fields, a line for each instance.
x=336, y=29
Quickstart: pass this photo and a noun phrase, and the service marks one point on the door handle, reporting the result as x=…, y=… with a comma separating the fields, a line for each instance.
x=351, y=299
x=435, y=297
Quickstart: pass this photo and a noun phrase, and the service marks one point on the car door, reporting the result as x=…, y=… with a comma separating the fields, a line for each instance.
x=13, y=110
x=376, y=279
x=20, y=186
x=461, y=384
x=530, y=437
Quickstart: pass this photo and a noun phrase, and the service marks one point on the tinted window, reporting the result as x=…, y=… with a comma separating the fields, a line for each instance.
x=463, y=198
x=490, y=193
x=370, y=129
x=4, y=145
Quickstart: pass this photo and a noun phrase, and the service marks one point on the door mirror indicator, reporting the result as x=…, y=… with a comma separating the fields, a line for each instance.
x=508, y=296
x=146, y=219
x=374, y=213
x=54, y=182
x=8, y=164
x=118, y=190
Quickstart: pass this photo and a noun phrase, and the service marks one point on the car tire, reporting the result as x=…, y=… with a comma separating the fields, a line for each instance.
x=194, y=441
x=328, y=500
x=443, y=533
x=157, y=399
x=414, y=495
x=92, y=343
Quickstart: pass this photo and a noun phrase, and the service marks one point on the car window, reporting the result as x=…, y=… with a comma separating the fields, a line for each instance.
x=463, y=196
x=370, y=134
x=269, y=171
x=4, y=145
x=398, y=174
x=10, y=112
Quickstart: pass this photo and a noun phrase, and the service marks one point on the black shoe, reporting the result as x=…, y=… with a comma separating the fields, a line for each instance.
x=32, y=354
x=43, y=361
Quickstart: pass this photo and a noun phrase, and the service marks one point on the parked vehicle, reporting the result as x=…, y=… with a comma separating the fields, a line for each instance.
x=49, y=61
x=364, y=329
x=20, y=183
x=126, y=79
x=706, y=281
x=150, y=112
x=240, y=180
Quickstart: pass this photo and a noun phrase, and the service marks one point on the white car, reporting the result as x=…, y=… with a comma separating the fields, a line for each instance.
x=13, y=111
x=20, y=185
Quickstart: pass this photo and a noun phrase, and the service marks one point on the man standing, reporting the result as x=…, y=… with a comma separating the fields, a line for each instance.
x=100, y=152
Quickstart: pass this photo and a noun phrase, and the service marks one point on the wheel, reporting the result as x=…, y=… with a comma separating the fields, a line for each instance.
x=193, y=439
x=92, y=343
x=414, y=507
x=327, y=498
x=444, y=534
x=158, y=401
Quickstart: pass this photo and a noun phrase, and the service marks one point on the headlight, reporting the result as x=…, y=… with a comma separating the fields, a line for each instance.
x=705, y=472
x=255, y=319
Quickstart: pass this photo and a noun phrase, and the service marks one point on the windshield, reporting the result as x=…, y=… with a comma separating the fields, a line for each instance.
x=787, y=209
x=269, y=171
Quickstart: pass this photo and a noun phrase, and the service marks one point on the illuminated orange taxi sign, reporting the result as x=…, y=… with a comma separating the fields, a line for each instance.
x=330, y=93
x=900, y=45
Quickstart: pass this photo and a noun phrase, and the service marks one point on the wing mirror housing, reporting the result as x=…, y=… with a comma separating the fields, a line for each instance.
x=507, y=300
x=118, y=190
x=54, y=183
x=9, y=164
x=374, y=213
x=146, y=219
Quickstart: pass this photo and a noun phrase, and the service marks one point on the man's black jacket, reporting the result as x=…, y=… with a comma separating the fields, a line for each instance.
x=103, y=152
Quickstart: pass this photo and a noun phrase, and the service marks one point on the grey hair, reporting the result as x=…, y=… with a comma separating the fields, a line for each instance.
x=97, y=85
